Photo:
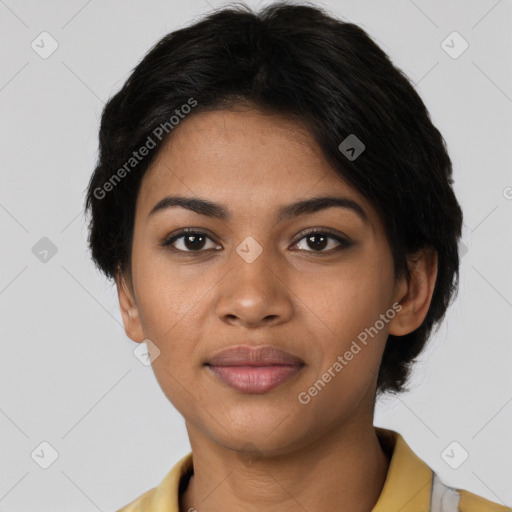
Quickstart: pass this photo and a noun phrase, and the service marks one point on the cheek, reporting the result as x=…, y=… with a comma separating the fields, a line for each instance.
x=171, y=317
x=168, y=313
x=166, y=294
x=348, y=352
x=345, y=300
x=343, y=309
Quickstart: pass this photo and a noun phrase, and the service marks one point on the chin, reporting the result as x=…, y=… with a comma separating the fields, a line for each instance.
x=265, y=436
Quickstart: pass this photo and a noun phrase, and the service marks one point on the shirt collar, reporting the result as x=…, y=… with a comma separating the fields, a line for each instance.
x=407, y=487
x=408, y=483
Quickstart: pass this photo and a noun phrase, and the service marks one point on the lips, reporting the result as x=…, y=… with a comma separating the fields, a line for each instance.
x=254, y=369
x=244, y=355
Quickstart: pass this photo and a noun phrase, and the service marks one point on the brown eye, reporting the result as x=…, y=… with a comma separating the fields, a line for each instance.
x=190, y=241
x=319, y=241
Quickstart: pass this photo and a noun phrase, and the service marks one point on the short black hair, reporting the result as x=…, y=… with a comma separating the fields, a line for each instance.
x=296, y=60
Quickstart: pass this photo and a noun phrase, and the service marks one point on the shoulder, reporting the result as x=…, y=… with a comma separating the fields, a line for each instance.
x=164, y=496
x=470, y=502
x=449, y=499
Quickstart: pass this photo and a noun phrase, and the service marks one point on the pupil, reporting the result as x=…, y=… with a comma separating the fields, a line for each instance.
x=192, y=245
x=321, y=245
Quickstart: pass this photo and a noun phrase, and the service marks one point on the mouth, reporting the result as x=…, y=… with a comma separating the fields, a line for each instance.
x=254, y=369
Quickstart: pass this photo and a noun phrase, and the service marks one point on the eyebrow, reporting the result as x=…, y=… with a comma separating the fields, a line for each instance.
x=216, y=210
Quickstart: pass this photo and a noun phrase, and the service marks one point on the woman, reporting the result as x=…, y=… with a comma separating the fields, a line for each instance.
x=276, y=209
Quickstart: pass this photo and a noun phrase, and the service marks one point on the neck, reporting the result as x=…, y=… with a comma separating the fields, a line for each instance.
x=345, y=470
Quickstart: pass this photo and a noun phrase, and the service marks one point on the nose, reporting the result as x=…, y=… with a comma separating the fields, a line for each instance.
x=255, y=294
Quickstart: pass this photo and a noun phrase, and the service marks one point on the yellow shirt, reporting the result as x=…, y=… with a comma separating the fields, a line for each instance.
x=410, y=486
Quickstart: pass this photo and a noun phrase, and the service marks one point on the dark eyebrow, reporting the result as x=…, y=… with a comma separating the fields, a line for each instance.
x=201, y=206
x=315, y=204
x=211, y=209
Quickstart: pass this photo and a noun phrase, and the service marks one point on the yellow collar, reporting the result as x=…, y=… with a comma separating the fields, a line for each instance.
x=407, y=486
x=409, y=480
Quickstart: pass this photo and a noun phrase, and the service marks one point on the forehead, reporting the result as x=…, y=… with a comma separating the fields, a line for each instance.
x=243, y=144
x=242, y=157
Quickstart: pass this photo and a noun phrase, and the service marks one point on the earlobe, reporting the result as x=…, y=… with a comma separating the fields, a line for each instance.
x=415, y=294
x=129, y=311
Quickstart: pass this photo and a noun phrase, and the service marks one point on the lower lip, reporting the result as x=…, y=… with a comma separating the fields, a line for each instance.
x=255, y=379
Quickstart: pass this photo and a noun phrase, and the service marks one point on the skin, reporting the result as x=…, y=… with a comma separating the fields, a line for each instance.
x=298, y=296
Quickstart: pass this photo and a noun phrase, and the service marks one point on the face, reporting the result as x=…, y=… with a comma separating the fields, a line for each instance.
x=259, y=276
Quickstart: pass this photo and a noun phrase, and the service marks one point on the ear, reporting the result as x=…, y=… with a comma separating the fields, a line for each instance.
x=415, y=294
x=129, y=310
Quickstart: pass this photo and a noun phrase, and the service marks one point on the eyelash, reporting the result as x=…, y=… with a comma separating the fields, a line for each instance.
x=343, y=243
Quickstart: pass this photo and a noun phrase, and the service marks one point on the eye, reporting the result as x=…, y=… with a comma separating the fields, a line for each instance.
x=320, y=239
x=193, y=241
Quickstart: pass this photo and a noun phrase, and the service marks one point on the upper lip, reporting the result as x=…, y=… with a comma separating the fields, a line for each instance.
x=245, y=355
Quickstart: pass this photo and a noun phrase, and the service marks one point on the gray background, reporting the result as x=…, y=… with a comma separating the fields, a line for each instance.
x=68, y=375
